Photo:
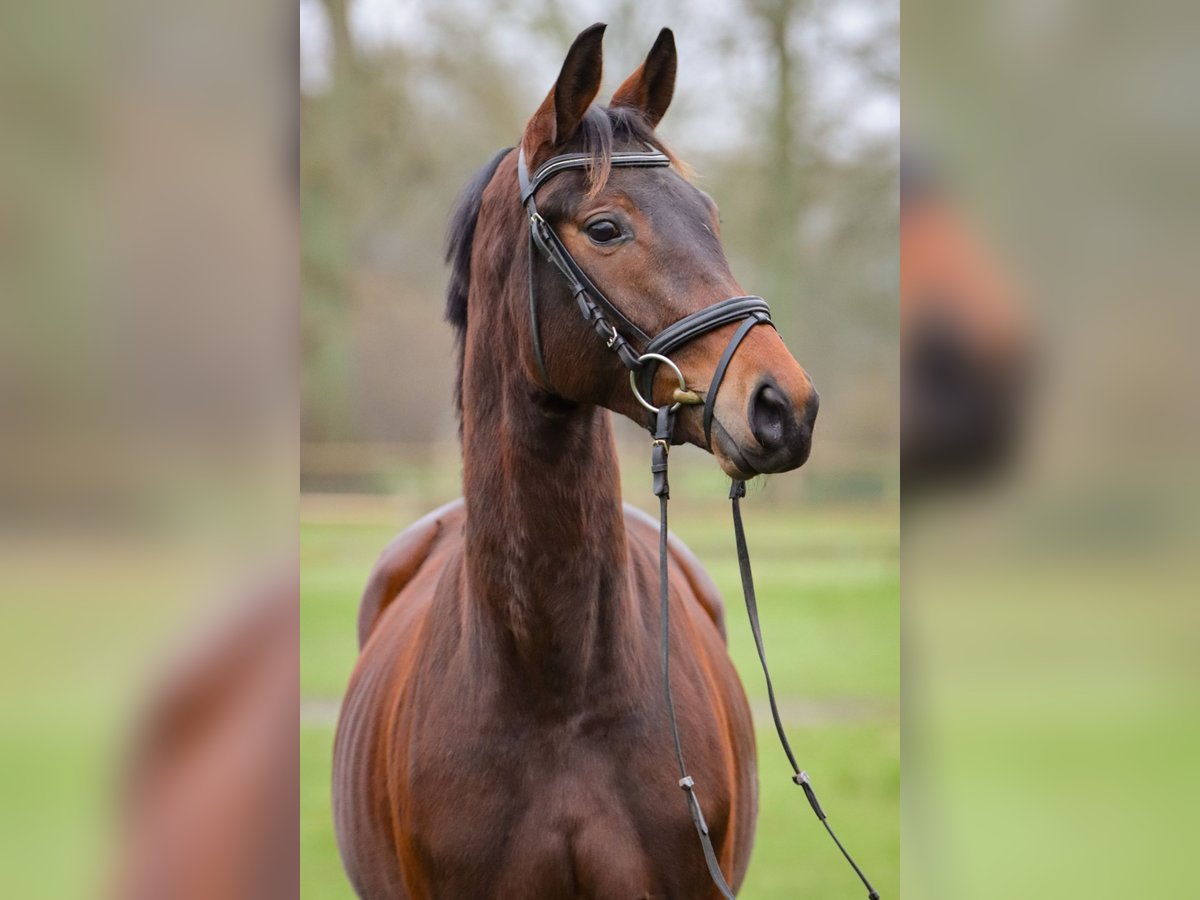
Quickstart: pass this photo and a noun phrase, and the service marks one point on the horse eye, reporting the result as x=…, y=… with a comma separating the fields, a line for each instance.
x=603, y=231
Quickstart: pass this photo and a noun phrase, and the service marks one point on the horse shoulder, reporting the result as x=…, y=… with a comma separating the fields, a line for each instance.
x=642, y=526
x=402, y=559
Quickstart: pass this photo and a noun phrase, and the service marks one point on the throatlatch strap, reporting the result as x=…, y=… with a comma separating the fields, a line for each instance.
x=737, y=491
x=664, y=422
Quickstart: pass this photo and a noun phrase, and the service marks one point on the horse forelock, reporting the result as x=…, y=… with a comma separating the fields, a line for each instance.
x=604, y=129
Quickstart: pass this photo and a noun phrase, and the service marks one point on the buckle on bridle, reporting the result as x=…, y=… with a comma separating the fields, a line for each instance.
x=615, y=336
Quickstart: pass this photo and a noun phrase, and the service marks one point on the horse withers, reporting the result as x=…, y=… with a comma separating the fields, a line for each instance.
x=505, y=732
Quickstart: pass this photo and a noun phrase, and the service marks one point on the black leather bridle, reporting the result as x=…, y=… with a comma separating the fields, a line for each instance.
x=616, y=329
x=612, y=325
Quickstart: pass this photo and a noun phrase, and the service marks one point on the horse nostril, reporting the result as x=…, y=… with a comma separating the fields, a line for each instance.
x=770, y=416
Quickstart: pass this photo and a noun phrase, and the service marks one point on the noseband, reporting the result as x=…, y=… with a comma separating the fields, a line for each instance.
x=616, y=329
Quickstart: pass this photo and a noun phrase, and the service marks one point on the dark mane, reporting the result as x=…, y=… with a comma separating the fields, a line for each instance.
x=600, y=130
x=460, y=236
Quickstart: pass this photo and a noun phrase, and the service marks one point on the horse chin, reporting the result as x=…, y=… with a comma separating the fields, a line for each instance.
x=729, y=456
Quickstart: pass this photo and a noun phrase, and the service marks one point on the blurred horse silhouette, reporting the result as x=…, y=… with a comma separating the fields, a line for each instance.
x=210, y=805
x=964, y=344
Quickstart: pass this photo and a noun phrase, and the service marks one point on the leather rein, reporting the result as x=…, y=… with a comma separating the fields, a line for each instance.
x=615, y=329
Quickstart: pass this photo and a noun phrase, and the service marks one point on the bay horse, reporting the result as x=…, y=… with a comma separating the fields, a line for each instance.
x=504, y=733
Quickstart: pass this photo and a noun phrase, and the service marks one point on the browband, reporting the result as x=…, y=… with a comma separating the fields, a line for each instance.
x=650, y=158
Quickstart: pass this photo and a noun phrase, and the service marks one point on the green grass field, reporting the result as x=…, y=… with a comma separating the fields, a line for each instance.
x=828, y=586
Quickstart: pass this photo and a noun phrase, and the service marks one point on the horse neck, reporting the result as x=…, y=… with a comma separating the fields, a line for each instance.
x=546, y=555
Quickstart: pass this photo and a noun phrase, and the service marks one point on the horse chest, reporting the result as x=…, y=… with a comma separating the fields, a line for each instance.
x=554, y=816
x=460, y=775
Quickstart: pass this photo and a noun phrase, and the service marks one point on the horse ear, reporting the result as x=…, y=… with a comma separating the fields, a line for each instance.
x=559, y=116
x=651, y=86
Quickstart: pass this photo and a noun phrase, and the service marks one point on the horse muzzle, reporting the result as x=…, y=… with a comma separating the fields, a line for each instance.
x=777, y=436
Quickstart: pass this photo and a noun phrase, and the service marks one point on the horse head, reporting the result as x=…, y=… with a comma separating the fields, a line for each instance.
x=650, y=240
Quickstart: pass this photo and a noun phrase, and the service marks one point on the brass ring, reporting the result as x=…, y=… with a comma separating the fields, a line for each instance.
x=638, y=394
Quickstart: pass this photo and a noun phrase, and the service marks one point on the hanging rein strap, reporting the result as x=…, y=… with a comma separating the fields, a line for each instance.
x=664, y=424
x=660, y=448
x=614, y=328
x=737, y=491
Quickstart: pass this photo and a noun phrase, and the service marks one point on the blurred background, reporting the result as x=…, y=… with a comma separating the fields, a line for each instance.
x=1050, y=617
x=148, y=459
x=788, y=111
